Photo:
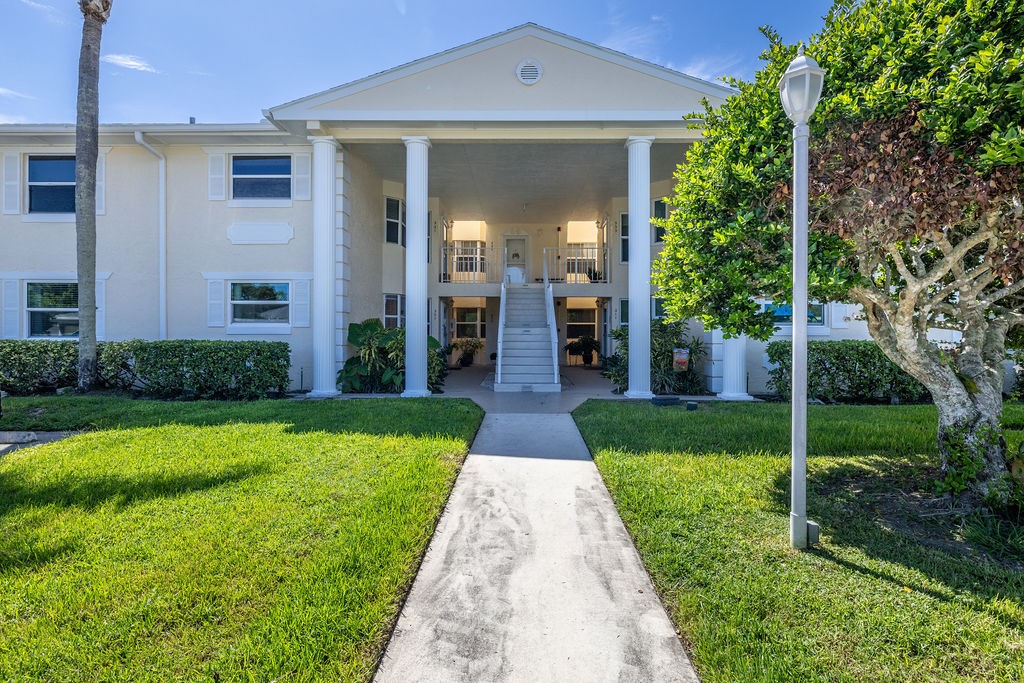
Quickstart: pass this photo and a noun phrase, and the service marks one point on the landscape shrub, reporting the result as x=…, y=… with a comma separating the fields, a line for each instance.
x=844, y=371
x=379, y=364
x=182, y=368
x=29, y=367
x=665, y=337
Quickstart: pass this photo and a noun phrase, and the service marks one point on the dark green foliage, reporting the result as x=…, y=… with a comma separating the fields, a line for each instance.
x=28, y=367
x=379, y=365
x=844, y=372
x=182, y=368
x=665, y=336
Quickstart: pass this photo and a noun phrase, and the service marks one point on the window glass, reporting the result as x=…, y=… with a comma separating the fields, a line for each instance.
x=52, y=309
x=259, y=302
x=623, y=312
x=782, y=314
x=470, y=322
x=394, y=310
x=660, y=211
x=51, y=184
x=261, y=177
x=394, y=221
x=580, y=322
x=657, y=307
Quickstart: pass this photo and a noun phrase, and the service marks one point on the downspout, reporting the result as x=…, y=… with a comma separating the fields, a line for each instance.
x=161, y=231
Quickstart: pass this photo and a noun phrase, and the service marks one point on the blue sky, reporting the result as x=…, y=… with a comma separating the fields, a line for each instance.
x=225, y=61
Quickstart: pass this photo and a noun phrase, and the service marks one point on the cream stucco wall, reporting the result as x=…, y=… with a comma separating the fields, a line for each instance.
x=367, y=239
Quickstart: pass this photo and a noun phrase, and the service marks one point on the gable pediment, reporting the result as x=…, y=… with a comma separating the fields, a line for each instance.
x=578, y=81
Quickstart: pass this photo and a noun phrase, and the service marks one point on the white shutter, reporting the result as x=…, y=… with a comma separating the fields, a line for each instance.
x=11, y=295
x=301, y=176
x=218, y=176
x=101, y=309
x=215, y=303
x=300, y=303
x=101, y=185
x=12, y=182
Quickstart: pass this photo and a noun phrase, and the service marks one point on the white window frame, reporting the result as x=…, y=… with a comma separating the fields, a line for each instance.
x=821, y=329
x=654, y=308
x=242, y=202
x=399, y=318
x=623, y=237
x=401, y=221
x=29, y=311
x=654, y=215
x=481, y=321
x=232, y=327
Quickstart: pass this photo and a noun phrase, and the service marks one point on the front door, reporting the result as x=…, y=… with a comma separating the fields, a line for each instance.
x=515, y=258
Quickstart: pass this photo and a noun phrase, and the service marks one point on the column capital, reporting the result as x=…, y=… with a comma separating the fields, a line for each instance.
x=416, y=139
x=329, y=139
x=638, y=139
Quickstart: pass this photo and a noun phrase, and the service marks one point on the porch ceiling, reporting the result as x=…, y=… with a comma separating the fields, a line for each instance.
x=506, y=183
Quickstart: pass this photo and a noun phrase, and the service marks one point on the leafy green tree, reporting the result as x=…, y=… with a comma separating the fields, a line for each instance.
x=917, y=149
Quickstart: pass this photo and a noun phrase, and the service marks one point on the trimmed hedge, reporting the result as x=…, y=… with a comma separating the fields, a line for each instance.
x=845, y=371
x=182, y=368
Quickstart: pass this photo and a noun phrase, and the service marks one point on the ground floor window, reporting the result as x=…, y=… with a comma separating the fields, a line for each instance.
x=624, y=313
x=260, y=302
x=394, y=310
x=782, y=314
x=580, y=322
x=470, y=322
x=52, y=309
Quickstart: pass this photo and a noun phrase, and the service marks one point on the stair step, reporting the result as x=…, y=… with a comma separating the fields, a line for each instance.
x=526, y=378
x=526, y=352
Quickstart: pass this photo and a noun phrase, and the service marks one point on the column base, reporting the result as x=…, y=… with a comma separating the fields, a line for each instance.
x=639, y=395
x=320, y=393
x=735, y=397
x=416, y=393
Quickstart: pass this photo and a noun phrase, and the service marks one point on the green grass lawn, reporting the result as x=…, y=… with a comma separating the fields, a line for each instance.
x=895, y=592
x=214, y=541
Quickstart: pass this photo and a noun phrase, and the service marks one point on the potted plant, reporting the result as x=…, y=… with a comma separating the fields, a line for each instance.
x=467, y=346
x=585, y=347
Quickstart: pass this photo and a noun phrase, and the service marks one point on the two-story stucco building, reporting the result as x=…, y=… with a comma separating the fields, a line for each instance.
x=503, y=189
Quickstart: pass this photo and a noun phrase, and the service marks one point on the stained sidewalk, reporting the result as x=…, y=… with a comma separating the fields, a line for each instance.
x=531, y=575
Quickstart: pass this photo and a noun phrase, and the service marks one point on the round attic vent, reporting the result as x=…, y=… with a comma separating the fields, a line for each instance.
x=529, y=71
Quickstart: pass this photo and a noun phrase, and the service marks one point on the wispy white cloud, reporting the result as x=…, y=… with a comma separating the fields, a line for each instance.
x=51, y=13
x=7, y=92
x=7, y=118
x=401, y=7
x=711, y=67
x=637, y=41
x=133, y=62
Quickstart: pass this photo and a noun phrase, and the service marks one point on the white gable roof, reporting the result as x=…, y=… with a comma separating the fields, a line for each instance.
x=580, y=82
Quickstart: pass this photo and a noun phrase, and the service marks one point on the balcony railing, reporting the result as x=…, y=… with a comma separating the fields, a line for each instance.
x=577, y=265
x=471, y=265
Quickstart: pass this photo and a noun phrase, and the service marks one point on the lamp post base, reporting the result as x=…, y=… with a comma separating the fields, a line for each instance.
x=802, y=531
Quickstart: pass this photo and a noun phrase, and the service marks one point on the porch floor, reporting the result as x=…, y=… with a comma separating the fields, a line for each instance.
x=581, y=384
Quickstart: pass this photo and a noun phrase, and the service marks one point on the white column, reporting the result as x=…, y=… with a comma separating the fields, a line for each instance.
x=734, y=370
x=416, y=150
x=639, y=267
x=325, y=380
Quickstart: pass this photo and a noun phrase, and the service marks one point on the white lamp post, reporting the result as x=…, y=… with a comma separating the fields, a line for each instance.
x=800, y=88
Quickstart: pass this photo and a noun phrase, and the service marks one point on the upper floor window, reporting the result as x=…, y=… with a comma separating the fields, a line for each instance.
x=624, y=237
x=660, y=212
x=261, y=177
x=52, y=309
x=51, y=184
x=394, y=221
x=782, y=314
x=260, y=302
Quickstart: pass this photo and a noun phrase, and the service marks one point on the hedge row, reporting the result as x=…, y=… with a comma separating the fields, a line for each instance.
x=844, y=371
x=183, y=368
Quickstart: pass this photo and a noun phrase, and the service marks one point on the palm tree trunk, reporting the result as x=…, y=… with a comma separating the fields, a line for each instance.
x=86, y=153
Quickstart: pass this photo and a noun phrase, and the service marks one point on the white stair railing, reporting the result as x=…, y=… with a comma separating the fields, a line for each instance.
x=501, y=332
x=577, y=265
x=549, y=301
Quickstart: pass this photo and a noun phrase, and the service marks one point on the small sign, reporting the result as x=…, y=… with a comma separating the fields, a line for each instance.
x=680, y=360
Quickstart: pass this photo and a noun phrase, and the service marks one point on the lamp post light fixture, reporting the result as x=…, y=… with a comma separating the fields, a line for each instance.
x=800, y=89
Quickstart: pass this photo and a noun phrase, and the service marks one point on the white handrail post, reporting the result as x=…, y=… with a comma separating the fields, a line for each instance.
x=501, y=332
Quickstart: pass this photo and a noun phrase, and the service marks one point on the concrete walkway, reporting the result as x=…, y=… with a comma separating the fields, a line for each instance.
x=531, y=575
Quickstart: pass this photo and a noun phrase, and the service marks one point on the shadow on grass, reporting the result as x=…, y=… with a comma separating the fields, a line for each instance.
x=450, y=418
x=865, y=505
x=23, y=550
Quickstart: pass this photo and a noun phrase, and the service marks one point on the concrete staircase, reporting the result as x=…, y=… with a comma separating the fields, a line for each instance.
x=526, y=358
